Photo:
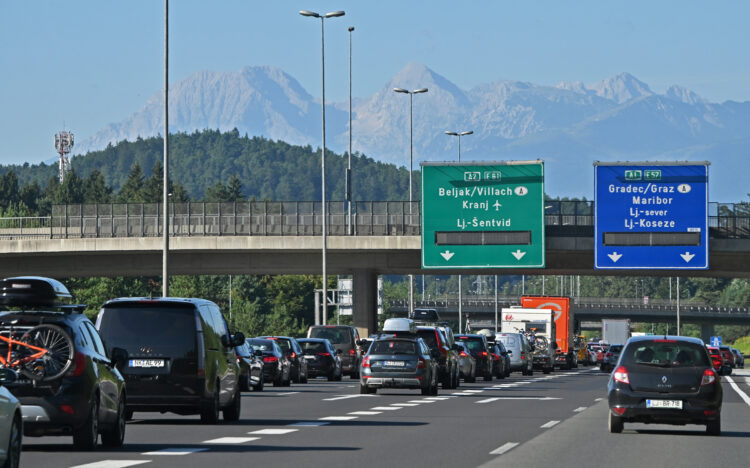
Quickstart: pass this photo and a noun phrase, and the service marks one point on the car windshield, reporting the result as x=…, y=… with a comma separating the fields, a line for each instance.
x=510, y=341
x=283, y=344
x=333, y=334
x=393, y=347
x=665, y=353
x=264, y=345
x=474, y=345
x=312, y=347
x=429, y=338
x=130, y=326
x=615, y=349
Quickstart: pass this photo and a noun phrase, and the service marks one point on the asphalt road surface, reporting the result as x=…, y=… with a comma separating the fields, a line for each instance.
x=542, y=420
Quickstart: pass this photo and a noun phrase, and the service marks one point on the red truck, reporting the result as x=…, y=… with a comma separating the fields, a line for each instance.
x=566, y=356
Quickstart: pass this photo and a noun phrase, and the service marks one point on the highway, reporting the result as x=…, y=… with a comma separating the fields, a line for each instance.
x=541, y=420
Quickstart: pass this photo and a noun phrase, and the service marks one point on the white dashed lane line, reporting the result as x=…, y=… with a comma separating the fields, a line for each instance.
x=309, y=424
x=737, y=389
x=112, y=464
x=288, y=393
x=346, y=397
x=405, y=404
x=175, y=451
x=580, y=408
x=421, y=401
x=365, y=413
x=386, y=408
x=549, y=424
x=338, y=418
x=504, y=448
x=272, y=431
x=230, y=440
x=488, y=400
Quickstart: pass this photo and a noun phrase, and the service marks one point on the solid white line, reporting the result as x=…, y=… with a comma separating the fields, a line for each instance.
x=365, y=413
x=309, y=424
x=405, y=404
x=230, y=440
x=488, y=400
x=345, y=397
x=473, y=391
x=504, y=448
x=273, y=431
x=386, y=408
x=112, y=464
x=737, y=389
x=288, y=393
x=338, y=418
x=549, y=424
x=438, y=398
x=421, y=401
x=580, y=408
x=462, y=394
x=175, y=451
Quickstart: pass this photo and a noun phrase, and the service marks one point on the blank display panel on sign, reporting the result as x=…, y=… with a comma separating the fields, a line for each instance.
x=483, y=238
x=652, y=238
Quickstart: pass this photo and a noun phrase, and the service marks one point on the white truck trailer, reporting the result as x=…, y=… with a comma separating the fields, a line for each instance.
x=537, y=322
x=615, y=331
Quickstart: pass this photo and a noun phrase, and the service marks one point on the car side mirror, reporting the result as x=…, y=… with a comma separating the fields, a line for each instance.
x=338, y=351
x=7, y=376
x=119, y=357
x=258, y=353
x=238, y=339
x=455, y=347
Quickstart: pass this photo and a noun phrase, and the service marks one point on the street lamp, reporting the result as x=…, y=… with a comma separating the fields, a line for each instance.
x=460, y=295
x=332, y=14
x=350, y=231
x=411, y=162
x=165, y=189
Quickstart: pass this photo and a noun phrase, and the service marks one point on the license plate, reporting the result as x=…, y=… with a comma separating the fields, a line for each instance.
x=669, y=404
x=147, y=363
x=309, y=357
x=393, y=363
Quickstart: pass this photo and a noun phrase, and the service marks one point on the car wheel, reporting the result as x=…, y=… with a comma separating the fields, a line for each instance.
x=128, y=414
x=87, y=436
x=363, y=390
x=303, y=379
x=210, y=410
x=259, y=386
x=115, y=436
x=245, y=383
x=615, y=424
x=233, y=411
x=15, y=439
x=426, y=390
x=714, y=427
x=488, y=375
x=332, y=375
x=546, y=370
x=278, y=381
x=434, y=390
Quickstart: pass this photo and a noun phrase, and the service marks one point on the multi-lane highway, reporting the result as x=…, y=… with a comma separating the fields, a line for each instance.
x=542, y=420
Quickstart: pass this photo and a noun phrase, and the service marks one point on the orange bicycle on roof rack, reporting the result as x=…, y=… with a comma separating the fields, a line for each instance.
x=43, y=352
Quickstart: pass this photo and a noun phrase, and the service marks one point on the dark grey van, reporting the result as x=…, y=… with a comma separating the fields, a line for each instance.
x=180, y=355
x=344, y=338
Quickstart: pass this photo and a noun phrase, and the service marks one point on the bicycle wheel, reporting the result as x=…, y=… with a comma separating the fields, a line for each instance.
x=58, y=358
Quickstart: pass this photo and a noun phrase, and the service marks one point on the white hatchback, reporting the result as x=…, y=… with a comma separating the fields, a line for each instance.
x=11, y=422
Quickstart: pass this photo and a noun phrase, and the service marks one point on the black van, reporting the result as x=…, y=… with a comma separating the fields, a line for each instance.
x=180, y=355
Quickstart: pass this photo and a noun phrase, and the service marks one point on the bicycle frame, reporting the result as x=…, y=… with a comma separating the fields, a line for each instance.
x=7, y=361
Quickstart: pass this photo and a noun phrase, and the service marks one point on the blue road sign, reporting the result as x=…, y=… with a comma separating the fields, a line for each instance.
x=716, y=341
x=651, y=216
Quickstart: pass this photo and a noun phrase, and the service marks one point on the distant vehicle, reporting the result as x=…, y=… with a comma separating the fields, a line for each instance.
x=345, y=338
x=665, y=380
x=425, y=315
x=480, y=350
x=615, y=331
x=448, y=360
x=399, y=362
x=62, y=365
x=611, y=357
x=520, y=352
x=739, y=359
x=566, y=354
x=322, y=359
x=293, y=352
x=467, y=365
x=727, y=356
x=535, y=323
x=582, y=351
x=251, y=368
x=499, y=361
x=276, y=367
x=715, y=355
x=11, y=422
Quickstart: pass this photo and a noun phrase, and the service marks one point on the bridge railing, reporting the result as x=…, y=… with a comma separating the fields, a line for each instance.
x=303, y=218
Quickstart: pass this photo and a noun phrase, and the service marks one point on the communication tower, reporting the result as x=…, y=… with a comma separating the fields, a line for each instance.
x=63, y=143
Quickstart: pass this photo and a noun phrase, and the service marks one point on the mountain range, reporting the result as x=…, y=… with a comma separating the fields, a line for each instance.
x=568, y=126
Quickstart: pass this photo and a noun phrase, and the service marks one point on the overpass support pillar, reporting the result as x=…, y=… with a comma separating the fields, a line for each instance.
x=365, y=307
x=707, y=331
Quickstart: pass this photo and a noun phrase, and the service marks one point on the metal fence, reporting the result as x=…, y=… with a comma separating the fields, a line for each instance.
x=266, y=218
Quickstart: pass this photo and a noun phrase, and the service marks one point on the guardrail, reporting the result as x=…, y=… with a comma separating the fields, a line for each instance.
x=266, y=218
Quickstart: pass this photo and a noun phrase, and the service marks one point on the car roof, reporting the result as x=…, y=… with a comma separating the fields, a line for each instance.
x=690, y=339
x=168, y=300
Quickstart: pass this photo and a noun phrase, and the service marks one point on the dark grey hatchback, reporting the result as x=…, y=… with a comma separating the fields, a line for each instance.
x=665, y=380
x=400, y=363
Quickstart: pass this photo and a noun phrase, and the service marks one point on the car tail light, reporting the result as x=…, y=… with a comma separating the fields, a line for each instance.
x=709, y=412
x=79, y=365
x=483, y=353
x=709, y=377
x=495, y=357
x=352, y=352
x=523, y=355
x=270, y=359
x=324, y=354
x=621, y=375
x=665, y=341
x=619, y=411
x=609, y=354
x=294, y=355
x=421, y=364
x=67, y=409
x=366, y=362
x=463, y=354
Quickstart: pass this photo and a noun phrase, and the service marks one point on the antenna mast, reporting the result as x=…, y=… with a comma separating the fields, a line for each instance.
x=63, y=143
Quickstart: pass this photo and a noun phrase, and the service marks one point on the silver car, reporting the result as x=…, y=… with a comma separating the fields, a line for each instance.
x=11, y=422
x=520, y=352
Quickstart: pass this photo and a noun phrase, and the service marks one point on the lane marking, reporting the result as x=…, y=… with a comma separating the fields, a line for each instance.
x=438, y=398
x=549, y=424
x=739, y=391
x=309, y=424
x=337, y=418
x=488, y=400
x=365, y=413
x=230, y=440
x=273, y=431
x=580, y=408
x=473, y=391
x=525, y=398
x=421, y=401
x=504, y=448
x=176, y=451
x=599, y=399
x=112, y=464
x=346, y=397
x=288, y=393
x=405, y=404
x=462, y=394
x=386, y=408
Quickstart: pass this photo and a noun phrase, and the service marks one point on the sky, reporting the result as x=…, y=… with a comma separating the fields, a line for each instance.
x=80, y=65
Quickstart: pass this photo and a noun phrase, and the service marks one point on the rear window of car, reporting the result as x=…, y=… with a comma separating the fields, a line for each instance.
x=313, y=347
x=285, y=345
x=474, y=344
x=264, y=345
x=429, y=338
x=129, y=326
x=615, y=348
x=336, y=335
x=665, y=353
x=393, y=347
x=510, y=341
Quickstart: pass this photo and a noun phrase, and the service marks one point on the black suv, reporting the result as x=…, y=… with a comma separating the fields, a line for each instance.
x=67, y=382
x=344, y=338
x=479, y=348
x=448, y=371
x=180, y=355
x=293, y=351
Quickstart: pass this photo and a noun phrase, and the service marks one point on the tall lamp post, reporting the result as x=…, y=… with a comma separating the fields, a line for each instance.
x=332, y=14
x=165, y=191
x=411, y=163
x=460, y=295
x=350, y=229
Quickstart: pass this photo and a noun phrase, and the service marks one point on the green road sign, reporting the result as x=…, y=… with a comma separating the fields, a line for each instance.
x=483, y=214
